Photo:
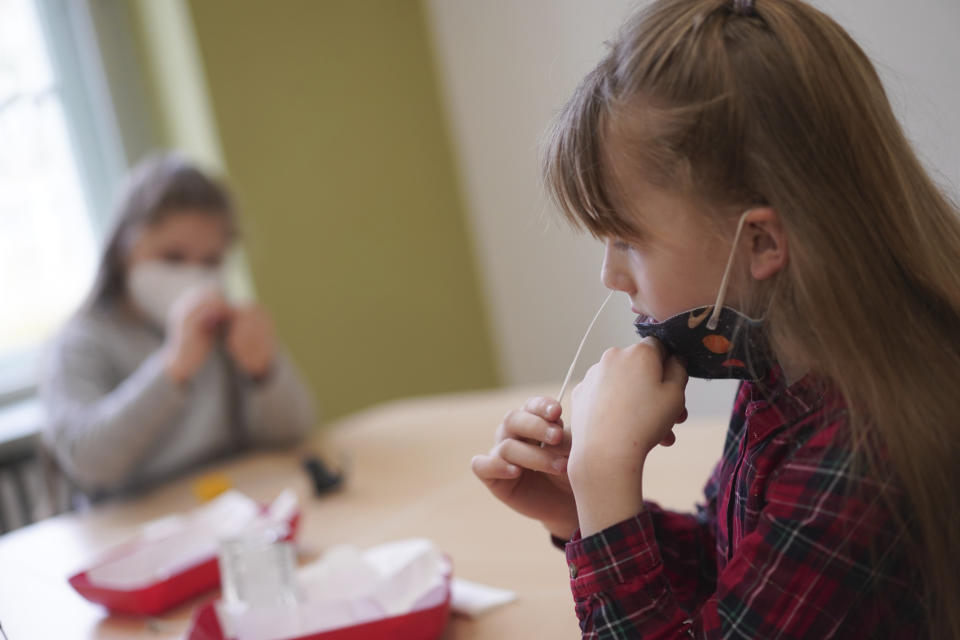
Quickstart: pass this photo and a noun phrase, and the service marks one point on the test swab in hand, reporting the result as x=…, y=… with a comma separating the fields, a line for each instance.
x=566, y=381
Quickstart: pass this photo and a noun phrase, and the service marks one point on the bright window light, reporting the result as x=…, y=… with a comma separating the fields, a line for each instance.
x=47, y=243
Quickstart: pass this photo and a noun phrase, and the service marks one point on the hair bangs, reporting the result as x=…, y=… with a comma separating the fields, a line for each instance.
x=573, y=167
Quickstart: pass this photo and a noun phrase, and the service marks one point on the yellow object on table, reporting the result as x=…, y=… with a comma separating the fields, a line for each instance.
x=209, y=486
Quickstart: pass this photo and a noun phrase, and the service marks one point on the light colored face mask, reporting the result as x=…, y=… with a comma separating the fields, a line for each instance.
x=156, y=286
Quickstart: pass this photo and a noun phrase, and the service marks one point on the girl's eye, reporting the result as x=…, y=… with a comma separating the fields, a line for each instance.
x=173, y=257
x=620, y=245
x=212, y=261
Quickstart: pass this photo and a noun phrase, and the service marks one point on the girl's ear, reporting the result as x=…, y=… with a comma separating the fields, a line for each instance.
x=766, y=241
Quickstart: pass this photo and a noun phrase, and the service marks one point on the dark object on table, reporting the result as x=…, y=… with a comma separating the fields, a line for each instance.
x=325, y=480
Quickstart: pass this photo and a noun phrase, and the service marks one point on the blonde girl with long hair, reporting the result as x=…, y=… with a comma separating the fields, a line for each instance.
x=764, y=212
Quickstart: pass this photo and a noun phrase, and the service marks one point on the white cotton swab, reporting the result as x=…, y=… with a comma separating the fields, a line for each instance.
x=573, y=364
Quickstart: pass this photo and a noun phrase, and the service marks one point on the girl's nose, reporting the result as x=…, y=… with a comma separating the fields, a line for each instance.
x=613, y=274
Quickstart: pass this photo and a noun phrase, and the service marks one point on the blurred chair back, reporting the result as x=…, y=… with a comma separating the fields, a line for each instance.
x=32, y=487
x=20, y=480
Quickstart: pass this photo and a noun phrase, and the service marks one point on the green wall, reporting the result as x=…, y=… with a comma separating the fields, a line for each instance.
x=333, y=137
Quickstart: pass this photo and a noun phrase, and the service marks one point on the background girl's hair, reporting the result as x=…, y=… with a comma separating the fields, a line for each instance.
x=158, y=186
x=782, y=107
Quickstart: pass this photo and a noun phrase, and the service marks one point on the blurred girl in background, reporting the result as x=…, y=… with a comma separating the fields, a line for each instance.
x=159, y=372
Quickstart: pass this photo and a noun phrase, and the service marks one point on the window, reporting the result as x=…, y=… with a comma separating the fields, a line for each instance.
x=48, y=242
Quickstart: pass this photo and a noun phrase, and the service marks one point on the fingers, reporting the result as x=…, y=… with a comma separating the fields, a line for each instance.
x=649, y=354
x=675, y=372
x=654, y=343
x=201, y=298
x=203, y=305
x=671, y=437
x=547, y=408
x=215, y=316
x=490, y=468
x=675, y=383
x=563, y=447
x=525, y=425
x=530, y=456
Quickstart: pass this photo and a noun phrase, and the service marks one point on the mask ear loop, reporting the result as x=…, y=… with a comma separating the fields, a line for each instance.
x=722, y=293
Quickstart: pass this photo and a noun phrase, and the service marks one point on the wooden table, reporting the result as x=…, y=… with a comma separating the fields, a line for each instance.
x=408, y=476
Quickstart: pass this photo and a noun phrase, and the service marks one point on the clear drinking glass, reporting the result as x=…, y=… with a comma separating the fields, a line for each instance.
x=257, y=570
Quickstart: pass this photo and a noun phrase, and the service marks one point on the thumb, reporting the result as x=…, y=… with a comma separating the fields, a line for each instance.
x=675, y=371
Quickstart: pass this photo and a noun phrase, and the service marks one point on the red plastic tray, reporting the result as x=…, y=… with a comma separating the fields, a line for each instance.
x=161, y=596
x=422, y=624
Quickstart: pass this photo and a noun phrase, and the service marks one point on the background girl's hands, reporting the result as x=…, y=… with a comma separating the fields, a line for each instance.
x=250, y=341
x=528, y=477
x=194, y=323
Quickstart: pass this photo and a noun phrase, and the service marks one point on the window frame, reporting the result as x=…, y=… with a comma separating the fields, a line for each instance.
x=110, y=125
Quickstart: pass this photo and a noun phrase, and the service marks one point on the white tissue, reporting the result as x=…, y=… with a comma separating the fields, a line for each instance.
x=348, y=587
x=175, y=543
x=471, y=598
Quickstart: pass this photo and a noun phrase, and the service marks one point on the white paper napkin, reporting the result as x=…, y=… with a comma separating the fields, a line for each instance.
x=472, y=598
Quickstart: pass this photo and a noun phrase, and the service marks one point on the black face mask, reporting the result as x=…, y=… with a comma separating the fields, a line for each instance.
x=735, y=348
x=716, y=341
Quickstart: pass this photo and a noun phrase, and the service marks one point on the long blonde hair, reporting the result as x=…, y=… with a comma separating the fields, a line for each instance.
x=778, y=105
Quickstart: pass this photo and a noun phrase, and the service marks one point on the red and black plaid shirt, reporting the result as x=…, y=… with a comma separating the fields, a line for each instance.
x=791, y=543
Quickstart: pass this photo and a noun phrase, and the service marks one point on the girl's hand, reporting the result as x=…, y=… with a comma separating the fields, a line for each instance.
x=193, y=326
x=530, y=478
x=627, y=404
x=251, y=342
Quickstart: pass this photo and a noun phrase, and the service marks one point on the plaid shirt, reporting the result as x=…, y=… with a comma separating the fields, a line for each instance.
x=791, y=542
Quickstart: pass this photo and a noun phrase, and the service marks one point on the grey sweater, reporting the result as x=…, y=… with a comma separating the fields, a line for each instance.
x=116, y=422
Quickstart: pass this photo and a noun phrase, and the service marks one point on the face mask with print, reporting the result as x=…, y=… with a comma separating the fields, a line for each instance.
x=716, y=341
x=155, y=286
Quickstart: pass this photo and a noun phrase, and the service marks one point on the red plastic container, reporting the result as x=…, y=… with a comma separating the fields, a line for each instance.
x=161, y=596
x=420, y=624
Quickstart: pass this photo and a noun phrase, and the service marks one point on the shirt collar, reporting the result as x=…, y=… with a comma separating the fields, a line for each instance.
x=784, y=403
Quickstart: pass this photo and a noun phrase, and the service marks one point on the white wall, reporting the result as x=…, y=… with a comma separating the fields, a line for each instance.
x=507, y=65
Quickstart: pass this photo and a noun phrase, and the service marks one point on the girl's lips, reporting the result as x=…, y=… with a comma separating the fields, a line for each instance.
x=642, y=317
